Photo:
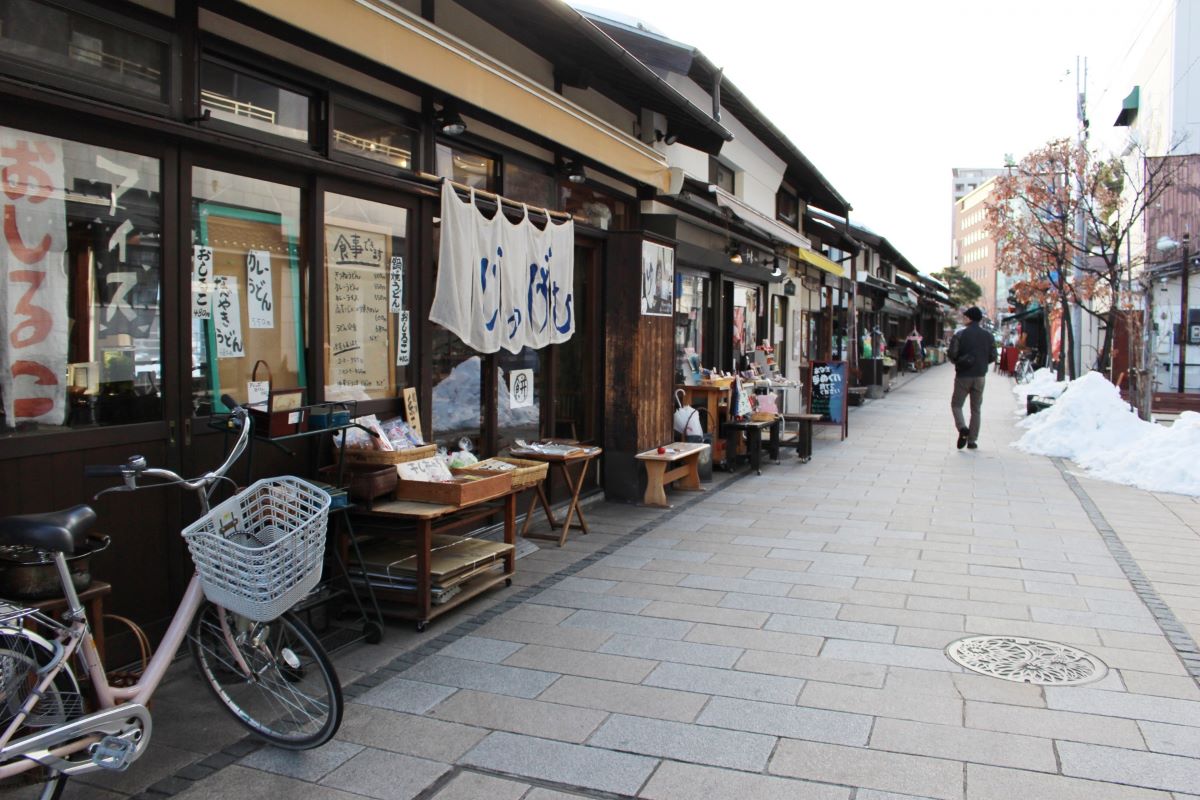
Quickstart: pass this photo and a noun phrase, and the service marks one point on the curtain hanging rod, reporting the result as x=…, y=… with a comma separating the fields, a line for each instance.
x=496, y=197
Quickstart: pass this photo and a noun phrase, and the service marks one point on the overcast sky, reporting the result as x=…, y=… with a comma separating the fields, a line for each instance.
x=885, y=97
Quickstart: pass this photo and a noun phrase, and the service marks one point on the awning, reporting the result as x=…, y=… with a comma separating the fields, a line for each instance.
x=409, y=44
x=1129, y=108
x=820, y=262
x=756, y=219
x=890, y=306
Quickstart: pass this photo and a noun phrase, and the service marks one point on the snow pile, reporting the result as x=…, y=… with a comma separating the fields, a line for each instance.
x=1043, y=384
x=1091, y=425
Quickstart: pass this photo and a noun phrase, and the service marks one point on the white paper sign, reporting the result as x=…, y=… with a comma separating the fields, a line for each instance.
x=202, y=276
x=403, y=341
x=259, y=290
x=520, y=388
x=257, y=393
x=396, y=285
x=227, y=316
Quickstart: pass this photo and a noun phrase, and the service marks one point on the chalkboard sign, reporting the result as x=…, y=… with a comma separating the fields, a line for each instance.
x=827, y=394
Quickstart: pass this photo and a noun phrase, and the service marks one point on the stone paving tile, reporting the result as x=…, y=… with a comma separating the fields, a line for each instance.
x=1182, y=688
x=589, y=600
x=780, y=605
x=627, y=624
x=726, y=683
x=624, y=698
x=861, y=631
x=517, y=715
x=680, y=593
x=909, y=588
x=399, y=694
x=744, y=585
x=1110, y=622
x=781, y=574
x=571, y=764
x=1174, y=739
x=792, y=722
x=710, y=614
x=1060, y=725
x=890, y=654
x=1066, y=634
x=697, y=568
x=839, y=596
x=384, y=775
x=959, y=606
x=683, y=742
x=473, y=785
x=1114, y=765
x=476, y=648
x=305, y=765
x=964, y=744
x=477, y=675
x=630, y=575
x=882, y=703
x=578, y=584
x=1116, y=704
x=772, y=641
x=704, y=655
x=1139, y=660
x=587, y=665
x=411, y=735
x=676, y=781
x=538, y=633
x=238, y=781
x=855, y=766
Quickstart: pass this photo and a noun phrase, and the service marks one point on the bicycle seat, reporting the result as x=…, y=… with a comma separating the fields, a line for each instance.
x=56, y=531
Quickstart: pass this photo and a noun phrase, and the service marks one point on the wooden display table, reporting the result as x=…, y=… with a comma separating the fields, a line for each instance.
x=804, y=434
x=753, y=430
x=687, y=474
x=581, y=459
x=429, y=517
x=715, y=402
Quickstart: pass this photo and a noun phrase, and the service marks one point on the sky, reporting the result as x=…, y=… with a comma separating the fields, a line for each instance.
x=886, y=97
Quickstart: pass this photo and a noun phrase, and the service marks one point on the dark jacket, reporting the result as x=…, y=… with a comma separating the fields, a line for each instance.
x=971, y=350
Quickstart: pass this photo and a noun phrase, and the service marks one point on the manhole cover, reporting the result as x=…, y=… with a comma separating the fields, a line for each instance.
x=1021, y=660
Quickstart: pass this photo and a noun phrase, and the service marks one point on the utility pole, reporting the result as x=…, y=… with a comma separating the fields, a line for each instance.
x=1080, y=233
x=1183, y=311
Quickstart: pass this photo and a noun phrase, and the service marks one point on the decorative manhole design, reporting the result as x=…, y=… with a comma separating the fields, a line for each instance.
x=1021, y=660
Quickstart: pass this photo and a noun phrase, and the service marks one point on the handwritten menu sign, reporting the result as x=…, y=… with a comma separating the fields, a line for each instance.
x=202, y=273
x=228, y=316
x=412, y=412
x=259, y=291
x=358, y=292
x=827, y=391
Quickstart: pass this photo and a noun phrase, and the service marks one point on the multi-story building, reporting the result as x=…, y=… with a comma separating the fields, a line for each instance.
x=964, y=180
x=975, y=249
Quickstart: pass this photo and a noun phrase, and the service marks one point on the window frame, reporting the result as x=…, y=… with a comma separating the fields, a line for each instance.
x=790, y=194
x=387, y=113
x=316, y=95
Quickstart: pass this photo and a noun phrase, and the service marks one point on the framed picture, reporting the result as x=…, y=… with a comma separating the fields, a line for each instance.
x=658, y=280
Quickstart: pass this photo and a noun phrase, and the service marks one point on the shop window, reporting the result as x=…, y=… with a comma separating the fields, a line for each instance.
x=787, y=208
x=247, y=298
x=80, y=296
x=721, y=176
x=236, y=98
x=84, y=51
x=575, y=395
x=691, y=292
x=457, y=393
x=593, y=207
x=745, y=320
x=518, y=396
x=362, y=135
x=466, y=167
x=527, y=185
x=368, y=330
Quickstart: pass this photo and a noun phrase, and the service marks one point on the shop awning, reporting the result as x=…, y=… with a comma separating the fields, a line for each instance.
x=820, y=262
x=756, y=219
x=415, y=47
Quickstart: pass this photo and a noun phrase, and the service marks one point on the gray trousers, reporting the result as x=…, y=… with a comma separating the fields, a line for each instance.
x=962, y=388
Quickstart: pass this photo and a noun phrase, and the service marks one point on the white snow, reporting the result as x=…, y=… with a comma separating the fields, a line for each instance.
x=1093, y=426
x=1043, y=384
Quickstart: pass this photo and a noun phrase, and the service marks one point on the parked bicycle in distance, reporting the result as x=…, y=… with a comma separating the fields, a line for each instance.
x=1026, y=366
x=256, y=555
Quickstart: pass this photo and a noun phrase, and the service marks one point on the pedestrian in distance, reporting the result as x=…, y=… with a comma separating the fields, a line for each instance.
x=971, y=350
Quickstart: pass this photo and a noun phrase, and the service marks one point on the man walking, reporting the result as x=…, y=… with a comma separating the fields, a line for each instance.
x=971, y=350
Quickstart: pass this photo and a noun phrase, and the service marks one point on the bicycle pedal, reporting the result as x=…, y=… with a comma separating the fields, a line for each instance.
x=112, y=753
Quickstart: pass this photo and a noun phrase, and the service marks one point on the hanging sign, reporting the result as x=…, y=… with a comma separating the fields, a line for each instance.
x=396, y=287
x=403, y=341
x=227, y=311
x=33, y=295
x=202, y=278
x=259, y=290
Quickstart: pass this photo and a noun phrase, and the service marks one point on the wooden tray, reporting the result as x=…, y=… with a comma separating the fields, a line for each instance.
x=525, y=473
x=362, y=455
x=466, y=488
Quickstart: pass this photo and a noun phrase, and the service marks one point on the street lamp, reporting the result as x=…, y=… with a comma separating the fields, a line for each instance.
x=1167, y=244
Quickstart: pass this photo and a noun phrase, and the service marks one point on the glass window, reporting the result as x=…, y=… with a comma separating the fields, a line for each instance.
x=594, y=207
x=787, y=208
x=80, y=296
x=518, y=396
x=247, y=299
x=457, y=394
x=690, y=303
x=722, y=176
x=73, y=45
x=528, y=186
x=574, y=395
x=466, y=167
x=366, y=136
x=368, y=333
x=240, y=99
x=745, y=318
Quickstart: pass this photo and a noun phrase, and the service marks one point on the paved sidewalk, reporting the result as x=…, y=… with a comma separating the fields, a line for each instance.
x=783, y=637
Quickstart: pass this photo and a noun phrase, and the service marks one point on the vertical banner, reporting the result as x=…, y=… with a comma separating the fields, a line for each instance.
x=259, y=289
x=202, y=276
x=396, y=287
x=403, y=342
x=33, y=291
x=228, y=317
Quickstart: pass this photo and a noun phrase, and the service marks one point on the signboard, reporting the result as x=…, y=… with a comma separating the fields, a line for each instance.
x=360, y=292
x=827, y=392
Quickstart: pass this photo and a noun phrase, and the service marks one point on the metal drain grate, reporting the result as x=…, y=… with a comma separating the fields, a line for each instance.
x=1021, y=660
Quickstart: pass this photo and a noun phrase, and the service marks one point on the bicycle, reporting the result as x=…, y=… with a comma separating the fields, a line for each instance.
x=1025, y=368
x=256, y=555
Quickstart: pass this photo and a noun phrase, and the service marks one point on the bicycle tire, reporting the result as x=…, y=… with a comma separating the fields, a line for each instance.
x=293, y=699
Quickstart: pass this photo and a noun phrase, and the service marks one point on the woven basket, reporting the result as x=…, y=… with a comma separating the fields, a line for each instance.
x=764, y=416
x=526, y=473
x=362, y=455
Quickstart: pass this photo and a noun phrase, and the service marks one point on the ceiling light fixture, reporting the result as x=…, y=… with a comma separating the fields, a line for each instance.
x=776, y=272
x=665, y=138
x=450, y=122
x=734, y=251
x=575, y=173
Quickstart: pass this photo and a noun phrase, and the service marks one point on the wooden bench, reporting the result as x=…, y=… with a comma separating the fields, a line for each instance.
x=687, y=474
x=804, y=434
x=1175, y=402
x=856, y=395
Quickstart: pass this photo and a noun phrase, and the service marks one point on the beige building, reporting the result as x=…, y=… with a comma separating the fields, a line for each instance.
x=975, y=249
x=964, y=180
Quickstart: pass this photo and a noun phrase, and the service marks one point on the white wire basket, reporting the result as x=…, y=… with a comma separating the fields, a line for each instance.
x=260, y=552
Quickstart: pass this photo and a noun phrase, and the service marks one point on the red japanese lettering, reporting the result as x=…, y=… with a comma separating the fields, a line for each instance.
x=28, y=407
x=23, y=178
x=28, y=255
x=37, y=323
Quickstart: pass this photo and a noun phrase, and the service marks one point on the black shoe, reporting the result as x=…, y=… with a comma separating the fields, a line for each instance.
x=972, y=446
x=962, y=438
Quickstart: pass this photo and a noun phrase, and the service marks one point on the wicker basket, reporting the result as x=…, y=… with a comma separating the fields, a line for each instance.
x=526, y=473
x=365, y=456
x=764, y=416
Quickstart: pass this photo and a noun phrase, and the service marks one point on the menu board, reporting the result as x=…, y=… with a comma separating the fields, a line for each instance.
x=358, y=292
x=827, y=391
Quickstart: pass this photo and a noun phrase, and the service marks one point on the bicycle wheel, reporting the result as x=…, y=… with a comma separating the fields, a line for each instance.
x=274, y=677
